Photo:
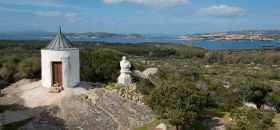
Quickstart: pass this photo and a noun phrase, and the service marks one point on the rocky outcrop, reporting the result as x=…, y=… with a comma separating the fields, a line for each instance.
x=47, y=120
x=130, y=92
x=129, y=114
x=86, y=107
x=145, y=74
x=111, y=112
x=17, y=87
x=79, y=112
x=139, y=74
x=150, y=71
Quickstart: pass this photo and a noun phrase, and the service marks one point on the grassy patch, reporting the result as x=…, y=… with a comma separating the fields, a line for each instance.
x=150, y=126
x=110, y=86
x=214, y=112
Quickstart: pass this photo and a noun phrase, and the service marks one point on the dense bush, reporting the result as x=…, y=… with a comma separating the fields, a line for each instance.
x=175, y=97
x=101, y=65
x=15, y=67
x=214, y=56
x=257, y=92
x=29, y=68
x=274, y=99
x=250, y=119
x=8, y=70
x=191, y=52
x=178, y=101
x=246, y=57
x=222, y=97
x=274, y=74
x=145, y=87
x=162, y=52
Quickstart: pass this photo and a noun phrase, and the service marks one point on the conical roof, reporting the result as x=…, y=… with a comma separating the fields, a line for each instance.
x=59, y=43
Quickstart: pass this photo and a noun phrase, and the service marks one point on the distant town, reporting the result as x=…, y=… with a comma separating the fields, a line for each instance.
x=246, y=35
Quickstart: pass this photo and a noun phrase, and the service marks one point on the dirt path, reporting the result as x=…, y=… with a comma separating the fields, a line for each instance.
x=276, y=121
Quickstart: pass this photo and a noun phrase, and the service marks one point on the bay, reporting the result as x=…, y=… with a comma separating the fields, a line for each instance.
x=213, y=45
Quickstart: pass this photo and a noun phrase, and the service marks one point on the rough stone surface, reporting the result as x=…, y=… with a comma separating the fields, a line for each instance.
x=17, y=87
x=47, y=120
x=86, y=107
x=78, y=112
x=129, y=114
x=139, y=74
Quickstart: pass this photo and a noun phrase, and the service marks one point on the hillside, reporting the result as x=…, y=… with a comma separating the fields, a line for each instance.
x=247, y=35
x=42, y=34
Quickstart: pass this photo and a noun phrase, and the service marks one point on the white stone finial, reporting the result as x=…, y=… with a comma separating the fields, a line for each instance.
x=125, y=77
x=124, y=58
x=125, y=65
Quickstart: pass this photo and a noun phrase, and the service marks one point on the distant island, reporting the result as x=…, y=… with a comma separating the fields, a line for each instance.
x=245, y=35
x=102, y=35
x=44, y=34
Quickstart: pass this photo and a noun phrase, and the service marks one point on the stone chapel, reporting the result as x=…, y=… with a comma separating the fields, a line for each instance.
x=60, y=63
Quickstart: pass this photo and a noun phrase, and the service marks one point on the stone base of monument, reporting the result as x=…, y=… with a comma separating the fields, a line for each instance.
x=55, y=89
x=125, y=80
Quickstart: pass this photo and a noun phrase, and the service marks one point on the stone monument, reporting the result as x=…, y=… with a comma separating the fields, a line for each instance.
x=125, y=77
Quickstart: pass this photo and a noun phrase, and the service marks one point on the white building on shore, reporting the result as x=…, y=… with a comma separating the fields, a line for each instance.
x=60, y=63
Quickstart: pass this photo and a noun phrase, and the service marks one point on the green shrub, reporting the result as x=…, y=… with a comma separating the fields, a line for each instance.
x=222, y=97
x=178, y=101
x=257, y=92
x=162, y=52
x=251, y=119
x=101, y=65
x=274, y=99
x=175, y=96
x=29, y=68
x=145, y=87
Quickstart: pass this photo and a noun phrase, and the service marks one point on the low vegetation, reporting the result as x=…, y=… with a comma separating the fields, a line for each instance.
x=251, y=119
x=190, y=80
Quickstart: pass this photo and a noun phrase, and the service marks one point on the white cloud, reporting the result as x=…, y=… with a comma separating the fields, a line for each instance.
x=152, y=3
x=221, y=11
x=113, y=1
x=49, y=14
x=72, y=17
x=40, y=3
x=5, y=9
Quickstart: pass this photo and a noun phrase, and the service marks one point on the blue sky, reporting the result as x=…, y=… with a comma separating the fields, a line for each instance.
x=139, y=16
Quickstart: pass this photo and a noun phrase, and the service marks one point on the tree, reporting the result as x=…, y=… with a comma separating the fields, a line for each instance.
x=179, y=101
x=257, y=92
